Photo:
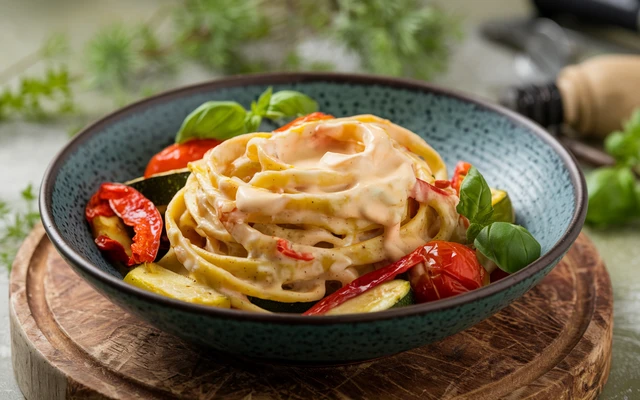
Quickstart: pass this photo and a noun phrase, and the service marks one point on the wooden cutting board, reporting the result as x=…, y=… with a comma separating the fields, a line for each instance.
x=68, y=342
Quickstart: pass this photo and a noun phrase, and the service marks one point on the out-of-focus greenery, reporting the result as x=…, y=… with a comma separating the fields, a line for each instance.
x=407, y=38
x=401, y=37
x=15, y=226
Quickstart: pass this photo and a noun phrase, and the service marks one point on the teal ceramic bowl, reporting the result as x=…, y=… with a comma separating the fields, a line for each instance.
x=546, y=186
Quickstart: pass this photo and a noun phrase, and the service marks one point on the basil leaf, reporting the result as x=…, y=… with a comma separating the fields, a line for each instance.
x=475, y=198
x=289, y=103
x=625, y=146
x=253, y=122
x=473, y=231
x=263, y=103
x=510, y=246
x=213, y=120
x=613, y=196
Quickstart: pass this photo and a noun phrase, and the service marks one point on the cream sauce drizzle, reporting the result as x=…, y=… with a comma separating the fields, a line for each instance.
x=381, y=171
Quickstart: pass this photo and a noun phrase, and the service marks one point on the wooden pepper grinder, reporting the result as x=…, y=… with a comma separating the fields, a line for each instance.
x=593, y=97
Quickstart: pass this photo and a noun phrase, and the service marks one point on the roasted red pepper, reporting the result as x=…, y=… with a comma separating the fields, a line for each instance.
x=179, y=155
x=461, y=171
x=97, y=207
x=316, y=116
x=441, y=184
x=448, y=269
x=422, y=190
x=285, y=250
x=135, y=210
x=112, y=248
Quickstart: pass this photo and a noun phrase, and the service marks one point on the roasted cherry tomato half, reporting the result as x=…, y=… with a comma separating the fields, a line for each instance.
x=316, y=116
x=179, y=155
x=461, y=171
x=448, y=269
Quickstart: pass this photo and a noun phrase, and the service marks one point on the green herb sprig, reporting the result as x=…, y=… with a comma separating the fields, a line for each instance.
x=401, y=37
x=16, y=225
x=225, y=119
x=614, y=192
x=510, y=246
x=38, y=98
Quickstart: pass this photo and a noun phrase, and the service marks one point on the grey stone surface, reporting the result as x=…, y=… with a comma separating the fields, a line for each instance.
x=477, y=67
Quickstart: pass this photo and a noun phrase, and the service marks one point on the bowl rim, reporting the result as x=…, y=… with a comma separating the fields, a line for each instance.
x=558, y=250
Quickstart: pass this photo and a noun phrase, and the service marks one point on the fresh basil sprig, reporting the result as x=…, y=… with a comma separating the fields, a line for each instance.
x=213, y=120
x=475, y=202
x=288, y=103
x=225, y=119
x=510, y=246
x=614, y=193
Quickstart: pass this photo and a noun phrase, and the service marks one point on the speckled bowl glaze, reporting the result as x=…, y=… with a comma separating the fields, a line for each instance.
x=546, y=186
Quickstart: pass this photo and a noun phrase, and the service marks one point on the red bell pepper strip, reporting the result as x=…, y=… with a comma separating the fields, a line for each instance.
x=441, y=184
x=315, y=116
x=112, y=248
x=285, y=250
x=422, y=190
x=97, y=207
x=366, y=282
x=179, y=155
x=135, y=210
x=461, y=171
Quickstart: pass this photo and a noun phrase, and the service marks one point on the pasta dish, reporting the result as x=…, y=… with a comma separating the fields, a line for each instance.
x=321, y=216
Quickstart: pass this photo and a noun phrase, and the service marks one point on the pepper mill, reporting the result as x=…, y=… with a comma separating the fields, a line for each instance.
x=594, y=97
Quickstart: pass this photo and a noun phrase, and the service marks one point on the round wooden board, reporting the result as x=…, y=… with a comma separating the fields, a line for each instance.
x=70, y=342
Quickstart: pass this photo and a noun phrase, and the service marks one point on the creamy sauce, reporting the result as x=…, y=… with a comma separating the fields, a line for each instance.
x=336, y=190
x=382, y=173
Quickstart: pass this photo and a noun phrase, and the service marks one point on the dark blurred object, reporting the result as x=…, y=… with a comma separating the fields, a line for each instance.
x=566, y=32
x=541, y=103
x=592, y=98
x=622, y=13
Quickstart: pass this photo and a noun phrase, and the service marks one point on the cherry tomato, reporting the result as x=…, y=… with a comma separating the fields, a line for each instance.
x=498, y=274
x=461, y=171
x=179, y=155
x=316, y=116
x=448, y=269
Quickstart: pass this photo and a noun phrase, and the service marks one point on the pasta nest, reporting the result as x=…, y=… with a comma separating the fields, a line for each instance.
x=284, y=215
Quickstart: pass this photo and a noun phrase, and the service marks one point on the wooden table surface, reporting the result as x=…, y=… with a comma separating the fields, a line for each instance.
x=478, y=67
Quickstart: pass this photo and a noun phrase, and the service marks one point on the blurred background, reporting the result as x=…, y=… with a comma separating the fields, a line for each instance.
x=65, y=63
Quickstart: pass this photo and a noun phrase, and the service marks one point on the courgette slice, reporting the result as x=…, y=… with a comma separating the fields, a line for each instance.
x=161, y=188
x=280, y=307
x=502, y=207
x=157, y=279
x=381, y=297
x=113, y=228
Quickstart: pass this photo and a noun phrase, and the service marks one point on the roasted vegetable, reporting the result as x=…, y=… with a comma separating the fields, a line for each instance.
x=381, y=297
x=134, y=210
x=156, y=279
x=161, y=188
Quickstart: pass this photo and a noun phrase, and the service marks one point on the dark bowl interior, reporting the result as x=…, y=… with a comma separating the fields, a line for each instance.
x=546, y=187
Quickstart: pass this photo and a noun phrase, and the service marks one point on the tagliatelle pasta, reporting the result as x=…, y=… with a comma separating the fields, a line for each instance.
x=281, y=215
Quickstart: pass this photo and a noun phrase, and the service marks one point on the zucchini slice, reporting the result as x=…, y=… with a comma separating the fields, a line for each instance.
x=502, y=208
x=161, y=188
x=113, y=228
x=157, y=279
x=382, y=297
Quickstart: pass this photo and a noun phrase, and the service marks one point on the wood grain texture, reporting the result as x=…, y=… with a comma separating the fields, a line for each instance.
x=70, y=342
